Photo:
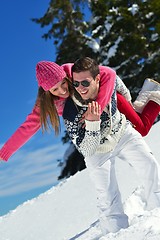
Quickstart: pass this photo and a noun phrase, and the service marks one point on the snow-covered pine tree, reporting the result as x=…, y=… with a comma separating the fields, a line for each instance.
x=128, y=36
x=68, y=28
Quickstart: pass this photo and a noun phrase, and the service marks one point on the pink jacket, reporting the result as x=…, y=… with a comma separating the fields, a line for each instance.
x=32, y=122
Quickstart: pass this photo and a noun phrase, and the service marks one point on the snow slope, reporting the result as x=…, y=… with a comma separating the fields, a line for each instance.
x=66, y=211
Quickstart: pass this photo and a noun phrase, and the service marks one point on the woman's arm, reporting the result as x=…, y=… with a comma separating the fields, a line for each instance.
x=106, y=87
x=22, y=134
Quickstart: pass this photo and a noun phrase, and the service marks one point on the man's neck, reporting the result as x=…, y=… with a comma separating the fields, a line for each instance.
x=95, y=95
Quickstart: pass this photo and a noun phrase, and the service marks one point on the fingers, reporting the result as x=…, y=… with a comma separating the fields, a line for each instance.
x=93, y=112
x=94, y=108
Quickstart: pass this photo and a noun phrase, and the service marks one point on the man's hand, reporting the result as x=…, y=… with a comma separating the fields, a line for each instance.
x=93, y=112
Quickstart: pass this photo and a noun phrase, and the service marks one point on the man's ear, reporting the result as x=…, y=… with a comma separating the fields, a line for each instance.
x=98, y=78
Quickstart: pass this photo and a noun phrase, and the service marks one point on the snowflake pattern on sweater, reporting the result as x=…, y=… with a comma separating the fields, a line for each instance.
x=122, y=89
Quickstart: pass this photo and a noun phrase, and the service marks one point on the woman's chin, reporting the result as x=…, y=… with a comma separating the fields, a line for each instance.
x=65, y=95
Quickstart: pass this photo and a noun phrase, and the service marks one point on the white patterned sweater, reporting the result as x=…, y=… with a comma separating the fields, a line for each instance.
x=97, y=136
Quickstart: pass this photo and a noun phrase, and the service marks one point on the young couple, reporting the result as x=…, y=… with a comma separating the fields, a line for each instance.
x=106, y=135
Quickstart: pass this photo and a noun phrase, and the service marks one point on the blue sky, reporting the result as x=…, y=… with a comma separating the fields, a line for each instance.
x=32, y=169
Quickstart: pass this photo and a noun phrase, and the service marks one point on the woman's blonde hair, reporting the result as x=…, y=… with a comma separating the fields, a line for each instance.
x=48, y=112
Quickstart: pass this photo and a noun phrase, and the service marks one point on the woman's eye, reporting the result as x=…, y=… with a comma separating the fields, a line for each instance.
x=53, y=90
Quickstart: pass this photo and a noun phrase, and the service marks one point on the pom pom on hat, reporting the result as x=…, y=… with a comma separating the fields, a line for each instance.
x=48, y=74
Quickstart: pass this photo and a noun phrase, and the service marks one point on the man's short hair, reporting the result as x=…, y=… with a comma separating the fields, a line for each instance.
x=86, y=64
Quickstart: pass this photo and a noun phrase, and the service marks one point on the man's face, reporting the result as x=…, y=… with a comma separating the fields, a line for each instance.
x=86, y=90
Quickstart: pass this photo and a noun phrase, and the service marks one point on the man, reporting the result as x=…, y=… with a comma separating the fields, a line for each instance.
x=104, y=138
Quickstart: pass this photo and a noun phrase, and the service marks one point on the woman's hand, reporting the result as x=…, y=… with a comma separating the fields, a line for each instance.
x=1, y=159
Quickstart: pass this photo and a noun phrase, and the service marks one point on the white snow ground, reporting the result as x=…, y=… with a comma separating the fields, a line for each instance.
x=66, y=211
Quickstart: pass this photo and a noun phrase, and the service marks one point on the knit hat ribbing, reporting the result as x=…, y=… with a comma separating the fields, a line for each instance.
x=48, y=74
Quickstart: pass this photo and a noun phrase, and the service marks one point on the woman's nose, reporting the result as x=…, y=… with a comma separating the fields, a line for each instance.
x=62, y=90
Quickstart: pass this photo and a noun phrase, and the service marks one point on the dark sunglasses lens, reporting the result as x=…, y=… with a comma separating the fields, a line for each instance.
x=75, y=84
x=85, y=83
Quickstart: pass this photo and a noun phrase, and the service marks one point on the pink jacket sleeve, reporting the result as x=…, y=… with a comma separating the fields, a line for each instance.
x=60, y=105
x=22, y=134
x=107, y=83
x=67, y=68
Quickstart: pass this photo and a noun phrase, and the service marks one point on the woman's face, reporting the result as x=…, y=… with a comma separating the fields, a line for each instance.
x=60, y=89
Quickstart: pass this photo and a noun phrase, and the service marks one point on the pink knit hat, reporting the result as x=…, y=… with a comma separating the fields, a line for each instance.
x=48, y=74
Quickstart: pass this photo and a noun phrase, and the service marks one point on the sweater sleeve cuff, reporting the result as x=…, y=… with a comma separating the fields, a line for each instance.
x=4, y=154
x=92, y=125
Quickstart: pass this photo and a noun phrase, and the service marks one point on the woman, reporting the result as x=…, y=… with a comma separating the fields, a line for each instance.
x=55, y=87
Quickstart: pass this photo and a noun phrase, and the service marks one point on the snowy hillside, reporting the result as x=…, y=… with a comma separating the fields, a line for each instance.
x=67, y=210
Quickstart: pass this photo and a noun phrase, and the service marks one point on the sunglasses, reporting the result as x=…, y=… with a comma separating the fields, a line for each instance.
x=84, y=83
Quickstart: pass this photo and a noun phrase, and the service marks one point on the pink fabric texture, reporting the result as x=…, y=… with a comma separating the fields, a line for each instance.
x=48, y=74
x=67, y=68
x=107, y=83
x=60, y=105
x=22, y=134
